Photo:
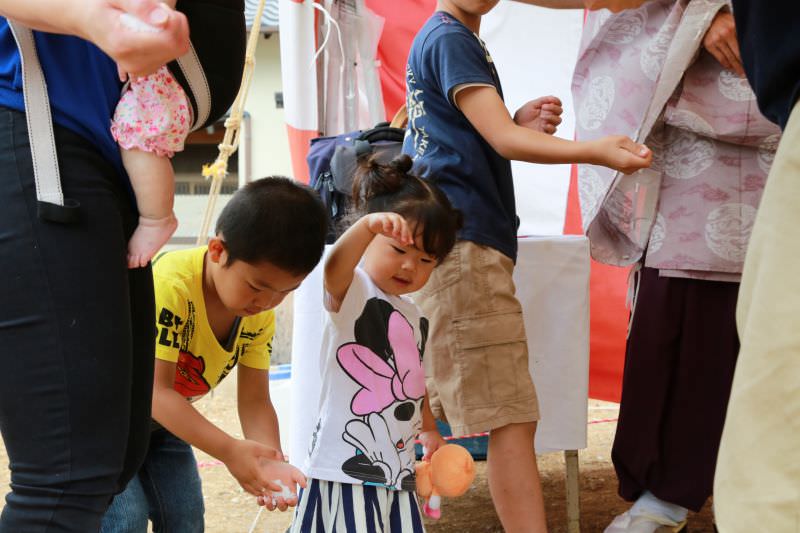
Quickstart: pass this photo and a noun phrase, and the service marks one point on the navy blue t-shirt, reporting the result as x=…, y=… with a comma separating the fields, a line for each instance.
x=444, y=145
x=81, y=81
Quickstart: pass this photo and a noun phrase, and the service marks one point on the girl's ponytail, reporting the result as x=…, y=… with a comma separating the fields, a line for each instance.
x=375, y=180
x=381, y=187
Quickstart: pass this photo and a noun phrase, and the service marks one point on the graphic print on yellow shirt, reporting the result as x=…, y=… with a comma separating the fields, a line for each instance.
x=184, y=335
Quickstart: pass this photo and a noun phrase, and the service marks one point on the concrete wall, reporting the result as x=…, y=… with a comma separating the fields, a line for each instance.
x=269, y=144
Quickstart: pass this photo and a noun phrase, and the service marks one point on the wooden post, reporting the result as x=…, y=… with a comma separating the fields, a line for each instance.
x=573, y=492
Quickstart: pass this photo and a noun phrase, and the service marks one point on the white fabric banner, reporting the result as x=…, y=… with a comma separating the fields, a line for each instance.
x=298, y=69
x=535, y=49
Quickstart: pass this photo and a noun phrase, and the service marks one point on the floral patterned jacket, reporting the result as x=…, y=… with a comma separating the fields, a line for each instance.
x=644, y=73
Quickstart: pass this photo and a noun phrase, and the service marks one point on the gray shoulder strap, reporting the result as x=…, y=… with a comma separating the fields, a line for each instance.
x=37, y=113
x=52, y=205
x=196, y=78
x=40, y=131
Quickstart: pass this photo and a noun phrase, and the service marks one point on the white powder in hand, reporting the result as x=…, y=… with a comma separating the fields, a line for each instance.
x=135, y=24
x=285, y=492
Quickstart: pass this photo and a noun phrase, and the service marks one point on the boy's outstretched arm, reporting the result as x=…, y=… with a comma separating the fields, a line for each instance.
x=346, y=253
x=487, y=113
x=244, y=458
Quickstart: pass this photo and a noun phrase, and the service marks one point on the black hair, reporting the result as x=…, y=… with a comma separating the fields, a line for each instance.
x=392, y=187
x=275, y=220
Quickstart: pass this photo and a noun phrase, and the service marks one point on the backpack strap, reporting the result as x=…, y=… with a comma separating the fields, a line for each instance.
x=51, y=204
x=383, y=132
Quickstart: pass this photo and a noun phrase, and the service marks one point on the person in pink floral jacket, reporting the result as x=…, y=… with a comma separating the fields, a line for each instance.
x=669, y=74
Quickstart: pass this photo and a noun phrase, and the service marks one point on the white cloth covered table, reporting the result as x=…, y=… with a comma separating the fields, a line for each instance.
x=552, y=279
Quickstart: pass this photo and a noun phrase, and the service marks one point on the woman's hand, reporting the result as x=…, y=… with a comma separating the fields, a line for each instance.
x=136, y=52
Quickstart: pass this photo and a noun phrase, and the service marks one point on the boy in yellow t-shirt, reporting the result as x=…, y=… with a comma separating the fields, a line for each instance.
x=214, y=311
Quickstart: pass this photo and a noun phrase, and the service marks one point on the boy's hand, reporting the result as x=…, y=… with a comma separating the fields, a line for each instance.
x=287, y=477
x=246, y=460
x=613, y=5
x=542, y=114
x=431, y=441
x=390, y=225
x=621, y=153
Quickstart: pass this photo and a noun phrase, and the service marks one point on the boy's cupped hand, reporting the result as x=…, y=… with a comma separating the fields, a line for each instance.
x=256, y=467
x=286, y=477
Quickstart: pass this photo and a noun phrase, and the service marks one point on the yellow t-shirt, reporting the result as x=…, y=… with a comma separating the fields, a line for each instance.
x=184, y=335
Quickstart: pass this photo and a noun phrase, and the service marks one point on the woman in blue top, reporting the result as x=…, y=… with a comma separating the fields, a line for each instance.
x=76, y=350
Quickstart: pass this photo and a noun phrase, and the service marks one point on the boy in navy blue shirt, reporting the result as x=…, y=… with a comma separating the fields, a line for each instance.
x=462, y=135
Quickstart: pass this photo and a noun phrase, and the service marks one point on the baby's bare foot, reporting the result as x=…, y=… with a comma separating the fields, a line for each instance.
x=148, y=238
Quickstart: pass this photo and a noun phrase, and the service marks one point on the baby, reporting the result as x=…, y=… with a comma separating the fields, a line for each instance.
x=150, y=124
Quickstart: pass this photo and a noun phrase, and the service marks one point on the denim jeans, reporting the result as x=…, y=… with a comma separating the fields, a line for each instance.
x=76, y=339
x=166, y=490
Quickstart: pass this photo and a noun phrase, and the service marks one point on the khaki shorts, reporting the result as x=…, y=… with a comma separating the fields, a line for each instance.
x=476, y=359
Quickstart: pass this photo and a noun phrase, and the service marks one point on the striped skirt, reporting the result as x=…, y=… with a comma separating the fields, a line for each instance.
x=333, y=507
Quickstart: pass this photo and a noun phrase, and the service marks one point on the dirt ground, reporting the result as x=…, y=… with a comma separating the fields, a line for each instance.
x=231, y=510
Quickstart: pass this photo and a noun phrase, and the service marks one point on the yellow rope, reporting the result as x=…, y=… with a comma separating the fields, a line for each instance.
x=217, y=170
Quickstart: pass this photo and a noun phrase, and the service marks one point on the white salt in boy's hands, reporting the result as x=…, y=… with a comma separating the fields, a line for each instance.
x=286, y=477
x=542, y=114
x=620, y=153
x=255, y=465
x=390, y=225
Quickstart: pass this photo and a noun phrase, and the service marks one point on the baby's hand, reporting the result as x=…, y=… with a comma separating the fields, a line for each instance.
x=621, y=153
x=431, y=441
x=286, y=477
x=390, y=225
